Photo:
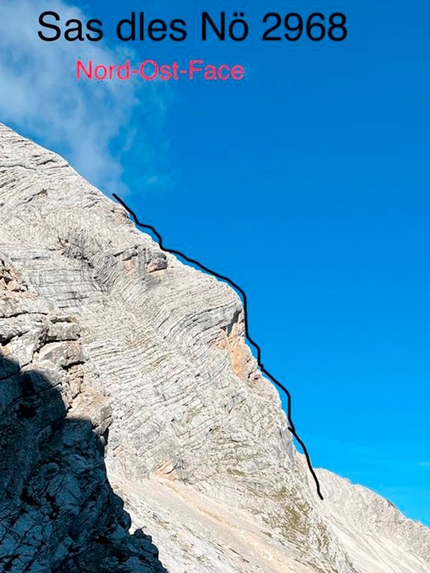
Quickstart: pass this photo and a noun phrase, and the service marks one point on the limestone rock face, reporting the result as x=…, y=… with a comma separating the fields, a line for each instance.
x=113, y=348
x=58, y=511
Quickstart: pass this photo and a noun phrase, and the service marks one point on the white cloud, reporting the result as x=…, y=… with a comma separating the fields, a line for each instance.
x=89, y=123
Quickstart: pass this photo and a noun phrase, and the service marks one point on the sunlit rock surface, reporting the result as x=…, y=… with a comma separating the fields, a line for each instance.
x=144, y=363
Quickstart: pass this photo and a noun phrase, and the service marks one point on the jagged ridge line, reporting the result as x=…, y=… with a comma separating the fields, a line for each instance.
x=238, y=289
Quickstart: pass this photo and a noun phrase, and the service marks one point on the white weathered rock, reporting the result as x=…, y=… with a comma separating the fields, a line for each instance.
x=198, y=444
x=58, y=512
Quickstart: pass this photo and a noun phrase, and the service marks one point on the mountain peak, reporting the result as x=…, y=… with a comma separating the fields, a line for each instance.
x=153, y=358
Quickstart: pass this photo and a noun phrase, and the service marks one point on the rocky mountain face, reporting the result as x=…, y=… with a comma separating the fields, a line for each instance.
x=58, y=511
x=136, y=431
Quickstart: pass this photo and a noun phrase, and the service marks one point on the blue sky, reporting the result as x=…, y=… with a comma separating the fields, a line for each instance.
x=308, y=184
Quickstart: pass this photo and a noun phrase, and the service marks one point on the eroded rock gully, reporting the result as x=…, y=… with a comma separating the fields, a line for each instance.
x=118, y=358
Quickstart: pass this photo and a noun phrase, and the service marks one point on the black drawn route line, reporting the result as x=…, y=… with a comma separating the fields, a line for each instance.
x=238, y=289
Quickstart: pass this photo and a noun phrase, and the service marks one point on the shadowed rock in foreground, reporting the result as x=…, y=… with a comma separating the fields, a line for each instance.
x=134, y=343
x=58, y=512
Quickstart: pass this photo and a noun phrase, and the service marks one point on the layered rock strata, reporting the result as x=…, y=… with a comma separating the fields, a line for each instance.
x=149, y=358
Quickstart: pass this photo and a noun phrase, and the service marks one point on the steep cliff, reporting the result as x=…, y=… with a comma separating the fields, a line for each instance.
x=149, y=359
x=57, y=509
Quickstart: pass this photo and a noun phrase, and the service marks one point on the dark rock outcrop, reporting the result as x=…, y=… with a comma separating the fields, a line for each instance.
x=58, y=512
